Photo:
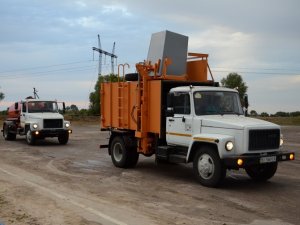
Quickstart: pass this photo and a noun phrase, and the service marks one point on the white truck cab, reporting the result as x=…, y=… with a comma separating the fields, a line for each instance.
x=207, y=126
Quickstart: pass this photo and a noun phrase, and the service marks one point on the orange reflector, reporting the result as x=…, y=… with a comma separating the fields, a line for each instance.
x=240, y=162
x=292, y=157
x=36, y=133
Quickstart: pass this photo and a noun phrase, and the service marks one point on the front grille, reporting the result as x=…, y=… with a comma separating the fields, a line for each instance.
x=264, y=139
x=53, y=123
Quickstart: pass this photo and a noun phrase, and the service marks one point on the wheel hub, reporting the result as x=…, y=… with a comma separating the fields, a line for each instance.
x=118, y=152
x=206, y=166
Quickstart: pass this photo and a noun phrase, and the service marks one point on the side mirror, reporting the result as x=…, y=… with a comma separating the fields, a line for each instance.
x=246, y=104
x=16, y=106
x=170, y=112
x=64, y=108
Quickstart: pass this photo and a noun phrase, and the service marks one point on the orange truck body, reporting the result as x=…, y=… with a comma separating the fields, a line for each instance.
x=139, y=106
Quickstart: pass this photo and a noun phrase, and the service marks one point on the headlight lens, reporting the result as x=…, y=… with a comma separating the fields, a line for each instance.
x=281, y=141
x=229, y=145
x=67, y=125
x=35, y=126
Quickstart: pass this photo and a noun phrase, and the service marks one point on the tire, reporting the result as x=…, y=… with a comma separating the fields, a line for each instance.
x=30, y=139
x=122, y=156
x=208, y=167
x=7, y=135
x=131, y=77
x=262, y=172
x=63, y=138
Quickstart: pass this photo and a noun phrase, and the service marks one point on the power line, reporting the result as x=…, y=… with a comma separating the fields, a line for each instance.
x=49, y=71
x=256, y=72
x=21, y=76
x=248, y=68
x=39, y=67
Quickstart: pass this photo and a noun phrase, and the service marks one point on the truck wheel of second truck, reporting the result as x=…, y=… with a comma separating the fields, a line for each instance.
x=262, y=172
x=7, y=135
x=121, y=156
x=208, y=167
x=63, y=139
x=30, y=138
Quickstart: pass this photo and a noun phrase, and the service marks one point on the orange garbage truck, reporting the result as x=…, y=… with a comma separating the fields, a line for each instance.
x=172, y=108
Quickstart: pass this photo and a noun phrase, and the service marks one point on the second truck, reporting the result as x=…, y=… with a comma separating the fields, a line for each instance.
x=36, y=119
x=172, y=108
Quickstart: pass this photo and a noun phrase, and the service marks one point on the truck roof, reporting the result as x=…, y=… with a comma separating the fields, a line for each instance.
x=39, y=100
x=201, y=88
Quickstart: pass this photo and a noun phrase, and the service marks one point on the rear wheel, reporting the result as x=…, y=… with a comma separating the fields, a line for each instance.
x=208, y=167
x=7, y=135
x=262, y=172
x=63, y=138
x=30, y=139
x=121, y=155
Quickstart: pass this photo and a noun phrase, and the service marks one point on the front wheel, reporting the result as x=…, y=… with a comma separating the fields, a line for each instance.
x=63, y=138
x=208, y=167
x=30, y=139
x=262, y=172
x=121, y=155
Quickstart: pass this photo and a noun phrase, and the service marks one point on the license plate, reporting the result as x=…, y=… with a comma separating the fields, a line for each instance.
x=268, y=159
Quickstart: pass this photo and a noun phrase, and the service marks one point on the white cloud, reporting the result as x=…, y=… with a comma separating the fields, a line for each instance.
x=85, y=22
x=228, y=47
x=81, y=4
x=110, y=9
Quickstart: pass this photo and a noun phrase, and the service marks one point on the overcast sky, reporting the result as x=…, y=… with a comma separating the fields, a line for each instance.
x=47, y=44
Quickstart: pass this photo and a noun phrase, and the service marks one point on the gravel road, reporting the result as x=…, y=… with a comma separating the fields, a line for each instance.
x=50, y=184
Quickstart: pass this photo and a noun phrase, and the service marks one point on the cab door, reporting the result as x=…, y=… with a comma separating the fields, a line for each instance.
x=23, y=114
x=179, y=126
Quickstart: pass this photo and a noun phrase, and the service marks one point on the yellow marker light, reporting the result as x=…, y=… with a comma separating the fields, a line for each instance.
x=292, y=157
x=36, y=133
x=240, y=162
x=70, y=131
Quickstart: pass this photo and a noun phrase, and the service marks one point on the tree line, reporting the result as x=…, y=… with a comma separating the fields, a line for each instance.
x=253, y=113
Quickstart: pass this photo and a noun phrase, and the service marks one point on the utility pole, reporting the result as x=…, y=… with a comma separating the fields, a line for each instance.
x=35, y=93
x=112, y=59
x=101, y=51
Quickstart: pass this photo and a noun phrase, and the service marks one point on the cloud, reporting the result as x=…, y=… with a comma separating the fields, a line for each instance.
x=111, y=9
x=85, y=22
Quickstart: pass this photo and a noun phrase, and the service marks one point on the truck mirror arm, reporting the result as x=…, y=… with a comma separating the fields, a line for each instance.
x=246, y=104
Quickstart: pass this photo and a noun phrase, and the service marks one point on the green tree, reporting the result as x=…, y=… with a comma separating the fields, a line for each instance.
x=1, y=96
x=264, y=114
x=282, y=114
x=253, y=113
x=235, y=81
x=94, y=107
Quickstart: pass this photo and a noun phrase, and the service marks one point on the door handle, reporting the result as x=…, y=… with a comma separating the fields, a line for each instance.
x=171, y=120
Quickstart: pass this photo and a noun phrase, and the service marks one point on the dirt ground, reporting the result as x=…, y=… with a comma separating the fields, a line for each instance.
x=50, y=184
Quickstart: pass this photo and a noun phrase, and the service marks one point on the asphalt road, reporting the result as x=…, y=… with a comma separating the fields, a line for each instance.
x=49, y=184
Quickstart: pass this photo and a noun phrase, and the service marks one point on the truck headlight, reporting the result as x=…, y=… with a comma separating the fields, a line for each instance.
x=229, y=145
x=281, y=142
x=67, y=125
x=35, y=126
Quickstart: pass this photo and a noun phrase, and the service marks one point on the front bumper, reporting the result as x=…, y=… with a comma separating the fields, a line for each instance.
x=244, y=161
x=50, y=132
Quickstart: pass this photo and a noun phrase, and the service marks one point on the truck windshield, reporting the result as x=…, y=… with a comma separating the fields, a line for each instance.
x=42, y=106
x=217, y=103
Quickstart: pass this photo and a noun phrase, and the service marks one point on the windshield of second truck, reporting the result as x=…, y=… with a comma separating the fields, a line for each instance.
x=42, y=106
x=217, y=103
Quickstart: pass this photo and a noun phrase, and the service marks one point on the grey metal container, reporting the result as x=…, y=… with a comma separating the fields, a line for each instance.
x=167, y=44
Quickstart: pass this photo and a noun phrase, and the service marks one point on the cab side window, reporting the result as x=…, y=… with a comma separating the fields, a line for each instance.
x=181, y=103
x=23, y=107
